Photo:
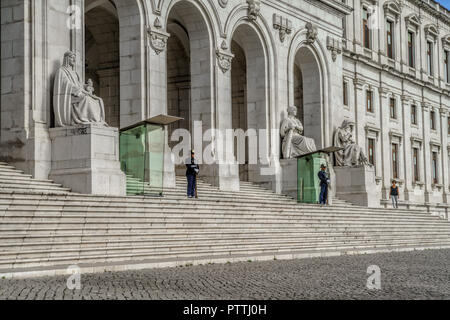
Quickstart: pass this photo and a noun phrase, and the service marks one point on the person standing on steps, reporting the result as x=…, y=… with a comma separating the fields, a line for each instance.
x=324, y=182
x=192, y=170
x=394, y=194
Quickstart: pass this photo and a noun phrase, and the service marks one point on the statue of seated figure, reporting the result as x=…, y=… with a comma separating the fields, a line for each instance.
x=74, y=103
x=351, y=154
x=294, y=143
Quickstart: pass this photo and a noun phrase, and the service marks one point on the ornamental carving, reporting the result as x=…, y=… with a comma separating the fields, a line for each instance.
x=283, y=25
x=223, y=3
x=334, y=46
x=224, y=57
x=158, y=38
x=254, y=7
x=311, y=33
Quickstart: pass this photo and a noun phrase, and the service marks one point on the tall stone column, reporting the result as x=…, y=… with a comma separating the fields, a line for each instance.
x=157, y=97
x=444, y=153
x=407, y=150
x=426, y=150
x=385, y=143
x=228, y=168
x=360, y=110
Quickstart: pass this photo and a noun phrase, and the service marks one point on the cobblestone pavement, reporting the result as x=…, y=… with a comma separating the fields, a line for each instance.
x=406, y=275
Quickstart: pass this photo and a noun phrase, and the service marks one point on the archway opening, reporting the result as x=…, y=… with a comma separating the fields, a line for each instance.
x=308, y=94
x=102, y=59
x=249, y=100
x=189, y=74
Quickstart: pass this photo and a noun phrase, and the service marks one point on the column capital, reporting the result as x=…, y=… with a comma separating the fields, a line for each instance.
x=224, y=57
x=383, y=91
x=157, y=37
x=359, y=83
x=443, y=111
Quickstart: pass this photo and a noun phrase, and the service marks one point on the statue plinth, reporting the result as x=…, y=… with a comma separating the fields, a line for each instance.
x=86, y=159
x=357, y=185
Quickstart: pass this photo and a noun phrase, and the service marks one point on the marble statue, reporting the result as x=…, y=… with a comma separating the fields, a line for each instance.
x=294, y=143
x=351, y=154
x=75, y=103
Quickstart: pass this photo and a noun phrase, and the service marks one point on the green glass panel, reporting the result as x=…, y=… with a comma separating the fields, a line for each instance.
x=132, y=158
x=155, y=159
x=308, y=182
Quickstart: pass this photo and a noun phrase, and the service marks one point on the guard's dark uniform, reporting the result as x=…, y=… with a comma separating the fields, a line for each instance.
x=192, y=169
x=323, y=186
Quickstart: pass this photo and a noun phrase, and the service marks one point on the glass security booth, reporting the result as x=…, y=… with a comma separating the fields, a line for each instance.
x=308, y=167
x=142, y=148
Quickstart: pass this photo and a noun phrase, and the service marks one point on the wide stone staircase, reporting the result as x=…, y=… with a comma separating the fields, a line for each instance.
x=44, y=228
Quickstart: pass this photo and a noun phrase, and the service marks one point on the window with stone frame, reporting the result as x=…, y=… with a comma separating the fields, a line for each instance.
x=392, y=108
x=395, y=162
x=433, y=120
x=448, y=125
x=413, y=114
x=430, y=57
x=416, y=170
x=434, y=167
x=369, y=100
x=446, y=66
x=411, y=49
x=366, y=29
x=345, y=93
x=390, y=39
x=371, y=151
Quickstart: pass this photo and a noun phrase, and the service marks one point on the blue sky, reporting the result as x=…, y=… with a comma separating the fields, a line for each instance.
x=445, y=3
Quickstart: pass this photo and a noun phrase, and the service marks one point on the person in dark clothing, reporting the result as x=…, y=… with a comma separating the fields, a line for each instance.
x=192, y=170
x=324, y=182
x=394, y=194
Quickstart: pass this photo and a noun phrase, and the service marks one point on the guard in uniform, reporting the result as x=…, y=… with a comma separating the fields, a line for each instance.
x=192, y=170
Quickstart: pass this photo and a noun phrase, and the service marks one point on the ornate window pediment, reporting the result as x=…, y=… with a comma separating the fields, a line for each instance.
x=392, y=8
x=446, y=42
x=431, y=31
x=413, y=20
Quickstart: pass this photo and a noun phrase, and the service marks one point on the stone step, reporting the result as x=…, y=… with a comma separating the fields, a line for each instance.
x=14, y=240
x=214, y=239
x=85, y=250
x=21, y=178
x=29, y=184
x=209, y=255
x=130, y=203
x=149, y=215
x=92, y=214
x=102, y=230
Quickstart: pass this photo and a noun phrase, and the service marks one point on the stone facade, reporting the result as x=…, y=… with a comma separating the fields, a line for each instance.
x=240, y=64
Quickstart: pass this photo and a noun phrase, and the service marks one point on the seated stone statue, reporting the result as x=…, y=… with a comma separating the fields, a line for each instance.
x=294, y=143
x=352, y=154
x=73, y=102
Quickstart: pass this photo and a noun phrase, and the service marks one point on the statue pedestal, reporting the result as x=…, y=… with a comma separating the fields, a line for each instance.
x=86, y=159
x=289, y=180
x=357, y=185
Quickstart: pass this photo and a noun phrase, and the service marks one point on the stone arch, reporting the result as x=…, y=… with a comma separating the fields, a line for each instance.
x=192, y=40
x=310, y=58
x=247, y=41
x=237, y=17
x=131, y=44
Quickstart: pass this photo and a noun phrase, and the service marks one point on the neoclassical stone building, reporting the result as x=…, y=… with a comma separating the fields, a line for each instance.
x=239, y=64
